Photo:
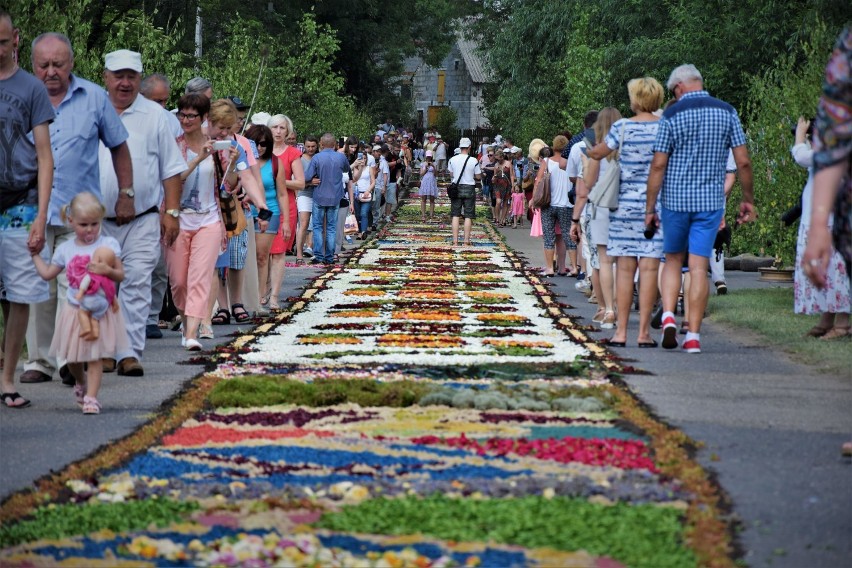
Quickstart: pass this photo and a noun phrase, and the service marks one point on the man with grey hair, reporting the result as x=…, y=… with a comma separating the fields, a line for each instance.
x=157, y=87
x=84, y=118
x=201, y=86
x=688, y=174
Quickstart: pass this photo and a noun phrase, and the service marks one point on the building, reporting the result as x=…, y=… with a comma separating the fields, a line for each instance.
x=457, y=83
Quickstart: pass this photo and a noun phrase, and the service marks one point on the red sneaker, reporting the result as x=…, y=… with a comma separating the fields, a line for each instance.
x=692, y=346
x=669, y=333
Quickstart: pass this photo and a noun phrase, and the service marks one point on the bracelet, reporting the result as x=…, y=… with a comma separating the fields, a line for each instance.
x=575, y=220
x=264, y=214
x=650, y=212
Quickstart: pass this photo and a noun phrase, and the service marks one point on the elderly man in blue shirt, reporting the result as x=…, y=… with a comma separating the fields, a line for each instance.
x=688, y=173
x=84, y=117
x=325, y=173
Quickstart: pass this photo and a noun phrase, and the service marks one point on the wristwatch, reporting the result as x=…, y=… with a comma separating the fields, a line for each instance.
x=173, y=212
x=128, y=191
x=264, y=214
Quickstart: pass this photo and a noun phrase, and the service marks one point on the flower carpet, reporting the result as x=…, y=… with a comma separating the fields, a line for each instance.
x=421, y=405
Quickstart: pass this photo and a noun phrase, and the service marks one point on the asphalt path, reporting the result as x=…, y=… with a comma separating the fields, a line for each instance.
x=770, y=428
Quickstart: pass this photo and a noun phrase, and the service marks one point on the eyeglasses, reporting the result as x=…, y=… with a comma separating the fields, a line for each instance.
x=185, y=116
x=490, y=155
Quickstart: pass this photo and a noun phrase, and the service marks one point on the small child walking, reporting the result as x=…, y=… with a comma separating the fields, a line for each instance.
x=518, y=211
x=75, y=338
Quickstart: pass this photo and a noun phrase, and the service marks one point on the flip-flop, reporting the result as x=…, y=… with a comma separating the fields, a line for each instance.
x=13, y=396
x=616, y=343
x=648, y=345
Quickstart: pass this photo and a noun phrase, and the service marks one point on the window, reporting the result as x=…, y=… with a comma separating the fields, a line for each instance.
x=441, y=82
x=456, y=64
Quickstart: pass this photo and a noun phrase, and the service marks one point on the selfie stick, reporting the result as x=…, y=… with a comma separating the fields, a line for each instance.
x=263, y=53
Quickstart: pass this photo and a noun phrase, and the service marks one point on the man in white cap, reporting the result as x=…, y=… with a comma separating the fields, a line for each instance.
x=157, y=165
x=76, y=169
x=464, y=171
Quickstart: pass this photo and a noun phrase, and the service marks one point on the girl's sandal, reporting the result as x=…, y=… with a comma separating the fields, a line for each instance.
x=817, y=331
x=91, y=405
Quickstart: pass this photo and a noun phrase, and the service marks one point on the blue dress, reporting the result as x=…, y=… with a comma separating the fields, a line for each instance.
x=627, y=222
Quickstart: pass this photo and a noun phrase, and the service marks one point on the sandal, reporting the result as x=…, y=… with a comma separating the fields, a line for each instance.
x=817, y=331
x=222, y=317
x=265, y=299
x=79, y=393
x=205, y=332
x=91, y=405
x=836, y=333
x=8, y=399
x=240, y=313
x=274, y=306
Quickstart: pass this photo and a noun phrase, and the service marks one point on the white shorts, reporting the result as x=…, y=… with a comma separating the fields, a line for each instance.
x=22, y=282
x=304, y=204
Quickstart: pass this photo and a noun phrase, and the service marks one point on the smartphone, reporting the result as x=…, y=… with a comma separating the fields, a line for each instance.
x=341, y=142
x=221, y=145
x=360, y=155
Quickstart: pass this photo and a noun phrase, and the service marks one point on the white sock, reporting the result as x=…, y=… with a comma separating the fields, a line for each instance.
x=668, y=315
x=690, y=336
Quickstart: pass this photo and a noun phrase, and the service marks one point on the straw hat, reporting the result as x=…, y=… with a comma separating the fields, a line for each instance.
x=535, y=147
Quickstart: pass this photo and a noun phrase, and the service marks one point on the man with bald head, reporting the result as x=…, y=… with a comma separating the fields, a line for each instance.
x=84, y=117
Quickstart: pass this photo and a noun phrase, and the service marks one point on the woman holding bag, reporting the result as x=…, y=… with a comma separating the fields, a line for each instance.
x=627, y=222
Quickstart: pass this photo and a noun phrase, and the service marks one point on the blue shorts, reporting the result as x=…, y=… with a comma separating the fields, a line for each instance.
x=272, y=227
x=693, y=232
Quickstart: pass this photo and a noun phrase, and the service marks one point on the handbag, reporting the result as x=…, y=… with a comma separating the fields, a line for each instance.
x=230, y=208
x=453, y=187
x=350, y=225
x=365, y=197
x=605, y=191
x=541, y=193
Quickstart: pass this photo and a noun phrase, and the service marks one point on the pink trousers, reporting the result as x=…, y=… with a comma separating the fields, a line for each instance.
x=191, y=260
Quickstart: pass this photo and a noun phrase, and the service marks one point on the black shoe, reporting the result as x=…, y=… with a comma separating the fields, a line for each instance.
x=67, y=378
x=721, y=289
x=152, y=331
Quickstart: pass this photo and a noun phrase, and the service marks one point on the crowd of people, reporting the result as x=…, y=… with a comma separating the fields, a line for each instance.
x=116, y=209
x=101, y=177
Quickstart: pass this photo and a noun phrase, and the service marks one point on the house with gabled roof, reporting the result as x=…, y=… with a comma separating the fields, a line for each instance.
x=458, y=82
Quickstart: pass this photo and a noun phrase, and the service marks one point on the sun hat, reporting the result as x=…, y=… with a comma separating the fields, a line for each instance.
x=260, y=118
x=535, y=147
x=123, y=59
x=464, y=143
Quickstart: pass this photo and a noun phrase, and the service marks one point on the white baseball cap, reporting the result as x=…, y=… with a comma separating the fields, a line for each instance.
x=123, y=59
x=464, y=143
x=377, y=147
x=514, y=149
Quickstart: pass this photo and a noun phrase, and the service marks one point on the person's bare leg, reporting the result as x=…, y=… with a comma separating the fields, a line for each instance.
x=431, y=206
x=190, y=326
x=671, y=280
x=648, y=269
x=455, y=225
x=276, y=276
x=606, y=292
x=561, y=249
x=548, y=261
x=94, y=374
x=16, y=329
x=423, y=208
x=687, y=279
x=96, y=328
x=468, y=225
x=301, y=235
x=698, y=291
x=263, y=243
x=623, y=294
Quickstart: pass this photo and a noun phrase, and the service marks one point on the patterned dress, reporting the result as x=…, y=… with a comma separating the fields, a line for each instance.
x=428, y=183
x=627, y=222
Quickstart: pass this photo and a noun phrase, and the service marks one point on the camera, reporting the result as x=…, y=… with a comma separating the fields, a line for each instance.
x=221, y=145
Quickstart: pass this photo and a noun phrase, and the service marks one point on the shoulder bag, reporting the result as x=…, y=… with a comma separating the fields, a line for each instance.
x=453, y=187
x=541, y=193
x=229, y=206
x=605, y=191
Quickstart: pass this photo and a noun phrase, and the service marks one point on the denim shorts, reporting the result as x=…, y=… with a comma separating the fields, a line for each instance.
x=690, y=231
x=466, y=203
x=272, y=227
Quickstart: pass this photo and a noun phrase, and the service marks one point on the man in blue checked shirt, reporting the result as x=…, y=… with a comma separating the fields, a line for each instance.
x=688, y=174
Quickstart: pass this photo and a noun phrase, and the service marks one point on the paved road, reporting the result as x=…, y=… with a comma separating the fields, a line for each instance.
x=772, y=428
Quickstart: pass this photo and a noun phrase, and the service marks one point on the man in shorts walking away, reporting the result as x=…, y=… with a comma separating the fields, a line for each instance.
x=688, y=174
x=465, y=171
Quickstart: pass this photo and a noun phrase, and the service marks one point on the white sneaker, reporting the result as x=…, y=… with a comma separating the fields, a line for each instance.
x=192, y=345
x=307, y=251
x=582, y=285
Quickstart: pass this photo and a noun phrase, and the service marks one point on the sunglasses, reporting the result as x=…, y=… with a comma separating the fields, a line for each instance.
x=261, y=143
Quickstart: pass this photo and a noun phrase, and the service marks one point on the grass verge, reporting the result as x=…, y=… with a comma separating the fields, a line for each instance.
x=769, y=313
